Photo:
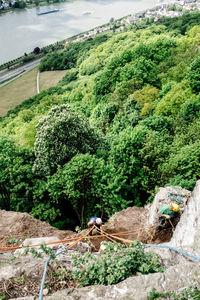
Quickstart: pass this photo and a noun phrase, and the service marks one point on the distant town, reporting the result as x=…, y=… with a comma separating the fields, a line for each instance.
x=174, y=9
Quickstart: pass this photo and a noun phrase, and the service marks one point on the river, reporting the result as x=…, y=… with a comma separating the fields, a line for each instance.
x=23, y=30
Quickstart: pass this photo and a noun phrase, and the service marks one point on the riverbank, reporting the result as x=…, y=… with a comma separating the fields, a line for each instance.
x=25, y=30
x=155, y=14
x=16, y=5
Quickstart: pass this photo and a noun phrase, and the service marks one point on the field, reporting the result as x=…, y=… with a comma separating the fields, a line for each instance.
x=17, y=91
x=50, y=78
x=25, y=86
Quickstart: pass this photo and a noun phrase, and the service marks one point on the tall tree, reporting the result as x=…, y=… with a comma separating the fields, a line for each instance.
x=61, y=135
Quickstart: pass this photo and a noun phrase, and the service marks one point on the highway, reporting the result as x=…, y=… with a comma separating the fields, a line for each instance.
x=11, y=75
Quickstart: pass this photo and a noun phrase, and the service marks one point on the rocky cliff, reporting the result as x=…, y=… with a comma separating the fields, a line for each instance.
x=180, y=271
x=187, y=233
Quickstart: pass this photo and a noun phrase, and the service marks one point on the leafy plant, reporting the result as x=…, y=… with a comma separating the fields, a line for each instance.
x=14, y=241
x=157, y=295
x=36, y=253
x=193, y=292
x=114, y=265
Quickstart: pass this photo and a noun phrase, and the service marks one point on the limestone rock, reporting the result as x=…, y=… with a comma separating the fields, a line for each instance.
x=165, y=196
x=36, y=242
x=22, y=265
x=187, y=231
x=137, y=287
x=80, y=246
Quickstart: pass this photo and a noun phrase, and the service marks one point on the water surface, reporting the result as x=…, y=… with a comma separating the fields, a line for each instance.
x=22, y=31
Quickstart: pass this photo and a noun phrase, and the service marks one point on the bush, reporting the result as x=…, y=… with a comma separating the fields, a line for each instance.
x=71, y=75
x=115, y=265
x=36, y=50
x=193, y=292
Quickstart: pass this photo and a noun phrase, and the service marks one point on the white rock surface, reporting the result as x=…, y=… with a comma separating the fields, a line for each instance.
x=36, y=242
x=187, y=231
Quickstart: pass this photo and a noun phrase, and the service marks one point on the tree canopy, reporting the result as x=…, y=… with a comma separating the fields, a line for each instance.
x=59, y=136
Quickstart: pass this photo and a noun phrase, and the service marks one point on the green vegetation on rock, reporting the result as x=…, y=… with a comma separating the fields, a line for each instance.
x=98, y=270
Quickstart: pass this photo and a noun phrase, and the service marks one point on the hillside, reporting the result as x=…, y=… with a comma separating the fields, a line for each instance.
x=124, y=120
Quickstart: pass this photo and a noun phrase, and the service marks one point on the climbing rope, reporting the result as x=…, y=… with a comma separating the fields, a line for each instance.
x=48, y=260
x=44, y=274
x=111, y=237
x=174, y=249
x=101, y=231
x=63, y=241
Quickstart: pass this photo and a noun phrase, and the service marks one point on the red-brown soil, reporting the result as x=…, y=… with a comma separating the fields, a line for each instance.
x=16, y=226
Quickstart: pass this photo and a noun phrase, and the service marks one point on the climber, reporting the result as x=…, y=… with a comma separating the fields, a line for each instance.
x=95, y=221
x=169, y=215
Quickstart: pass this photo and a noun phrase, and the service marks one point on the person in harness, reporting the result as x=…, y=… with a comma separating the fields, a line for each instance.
x=95, y=221
x=169, y=216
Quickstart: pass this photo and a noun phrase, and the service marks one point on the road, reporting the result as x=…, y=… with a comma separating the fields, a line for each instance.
x=9, y=76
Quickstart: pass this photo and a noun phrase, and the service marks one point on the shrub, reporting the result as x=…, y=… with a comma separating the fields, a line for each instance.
x=71, y=75
x=115, y=265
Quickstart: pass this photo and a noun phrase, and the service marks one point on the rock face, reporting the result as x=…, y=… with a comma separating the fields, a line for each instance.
x=187, y=231
x=165, y=196
x=137, y=287
x=180, y=271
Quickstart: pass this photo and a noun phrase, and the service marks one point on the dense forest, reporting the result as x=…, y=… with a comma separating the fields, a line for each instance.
x=123, y=121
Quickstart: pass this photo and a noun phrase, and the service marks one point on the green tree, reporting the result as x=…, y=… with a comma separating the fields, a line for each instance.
x=61, y=135
x=142, y=69
x=183, y=167
x=16, y=178
x=126, y=165
x=194, y=75
x=146, y=98
x=173, y=101
x=191, y=109
x=80, y=182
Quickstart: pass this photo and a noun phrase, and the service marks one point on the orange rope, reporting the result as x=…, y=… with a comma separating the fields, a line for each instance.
x=101, y=231
x=81, y=238
x=113, y=235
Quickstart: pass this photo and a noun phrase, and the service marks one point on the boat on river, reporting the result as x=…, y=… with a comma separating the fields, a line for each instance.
x=86, y=13
x=48, y=12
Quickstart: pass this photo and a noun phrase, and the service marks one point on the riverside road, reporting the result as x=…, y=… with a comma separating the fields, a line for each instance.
x=11, y=75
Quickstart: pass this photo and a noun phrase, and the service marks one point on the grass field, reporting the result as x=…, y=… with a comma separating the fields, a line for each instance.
x=50, y=78
x=23, y=87
x=17, y=91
